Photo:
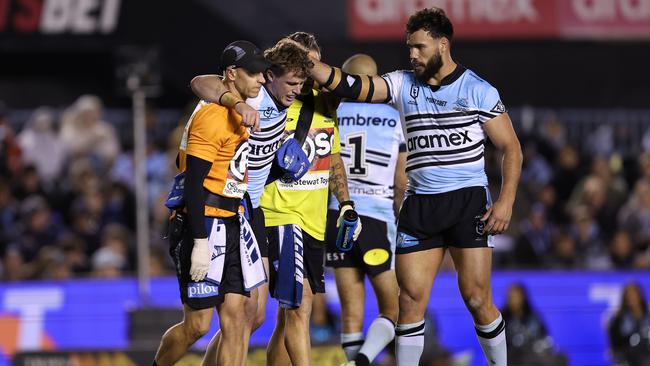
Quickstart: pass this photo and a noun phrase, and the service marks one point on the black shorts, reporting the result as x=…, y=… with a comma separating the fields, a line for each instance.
x=257, y=224
x=439, y=220
x=313, y=255
x=372, y=252
x=204, y=294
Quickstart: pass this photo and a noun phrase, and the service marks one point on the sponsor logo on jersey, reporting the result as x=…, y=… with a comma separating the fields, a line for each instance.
x=318, y=143
x=234, y=188
x=309, y=182
x=366, y=121
x=370, y=191
x=239, y=162
x=438, y=102
x=201, y=289
x=264, y=149
x=438, y=140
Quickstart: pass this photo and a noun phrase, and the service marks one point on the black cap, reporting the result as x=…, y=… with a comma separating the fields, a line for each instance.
x=244, y=54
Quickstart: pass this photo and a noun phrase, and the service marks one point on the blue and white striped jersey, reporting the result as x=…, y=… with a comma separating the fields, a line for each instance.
x=443, y=126
x=264, y=143
x=371, y=136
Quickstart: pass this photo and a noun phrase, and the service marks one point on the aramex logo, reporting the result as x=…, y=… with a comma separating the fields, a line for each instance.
x=438, y=140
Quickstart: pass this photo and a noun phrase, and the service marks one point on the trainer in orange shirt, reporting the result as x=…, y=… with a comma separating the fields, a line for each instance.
x=216, y=256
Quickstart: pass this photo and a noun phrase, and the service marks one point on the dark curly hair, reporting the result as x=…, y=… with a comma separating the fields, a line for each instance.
x=286, y=57
x=432, y=20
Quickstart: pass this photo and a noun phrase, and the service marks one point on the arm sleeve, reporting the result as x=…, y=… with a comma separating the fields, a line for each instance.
x=197, y=170
x=394, y=82
x=490, y=105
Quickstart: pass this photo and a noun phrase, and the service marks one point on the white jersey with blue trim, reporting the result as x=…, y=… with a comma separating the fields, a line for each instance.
x=443, y=126
x=264, y=143
x=371, y=135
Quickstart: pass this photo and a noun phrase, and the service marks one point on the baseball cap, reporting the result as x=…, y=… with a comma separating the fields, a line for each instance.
x=244, y=54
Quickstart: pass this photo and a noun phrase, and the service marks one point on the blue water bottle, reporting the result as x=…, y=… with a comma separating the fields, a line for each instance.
x=346, y=230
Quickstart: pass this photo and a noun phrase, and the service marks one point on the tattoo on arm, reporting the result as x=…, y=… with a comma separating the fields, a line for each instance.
x=338, y=184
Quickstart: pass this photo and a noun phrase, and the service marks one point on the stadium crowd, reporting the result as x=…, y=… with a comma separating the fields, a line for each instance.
x=67, y=204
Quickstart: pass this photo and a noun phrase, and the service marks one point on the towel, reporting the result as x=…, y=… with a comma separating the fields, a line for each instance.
x=289, y=267
x=249, y=254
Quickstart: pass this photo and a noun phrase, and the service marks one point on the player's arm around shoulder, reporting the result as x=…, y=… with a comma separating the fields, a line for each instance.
x=211, y=88
x=500, y=131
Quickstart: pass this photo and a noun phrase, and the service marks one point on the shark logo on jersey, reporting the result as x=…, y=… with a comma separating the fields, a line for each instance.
x=268, y=111
x=415, y=91
x=499, y=108
x=461, y=104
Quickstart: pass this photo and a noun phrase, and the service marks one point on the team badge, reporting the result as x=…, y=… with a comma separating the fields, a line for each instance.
x=415, y=91
x=479, y=225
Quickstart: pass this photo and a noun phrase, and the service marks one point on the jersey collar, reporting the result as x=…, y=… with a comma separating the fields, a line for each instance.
x=279, y=106
x=453, y=76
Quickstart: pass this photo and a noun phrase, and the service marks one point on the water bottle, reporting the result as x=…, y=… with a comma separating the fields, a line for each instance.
x=346, y=230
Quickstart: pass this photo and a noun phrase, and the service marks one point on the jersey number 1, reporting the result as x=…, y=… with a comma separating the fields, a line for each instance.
x=359, y=167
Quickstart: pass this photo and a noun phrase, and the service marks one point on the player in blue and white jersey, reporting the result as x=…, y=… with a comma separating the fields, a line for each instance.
x=266, y=114
x=448, y=112
x=373, y=151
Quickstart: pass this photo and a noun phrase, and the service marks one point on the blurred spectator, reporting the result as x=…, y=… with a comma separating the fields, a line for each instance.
x=41, y=227
x=564, y=252
x=600, y=141
x=158, y=262
x=74, y=251
x=629, y=330
x=9, y=149
x=107, y=263
x=635, y=215
x=528, y=341
x=41, y=146
x=603, y=192
x=621, y=251
x=28, y=183
x=567, y=172
x=8, y=214
x=83, y=133
x=536, y=172
x=535, y=238
x=14, y=266
x=588, y=238
x=552, y=137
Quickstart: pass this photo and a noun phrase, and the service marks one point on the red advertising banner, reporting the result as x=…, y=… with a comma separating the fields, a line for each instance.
x=506, y=19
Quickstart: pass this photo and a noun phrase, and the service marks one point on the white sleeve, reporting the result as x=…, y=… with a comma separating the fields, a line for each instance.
x=394, y=80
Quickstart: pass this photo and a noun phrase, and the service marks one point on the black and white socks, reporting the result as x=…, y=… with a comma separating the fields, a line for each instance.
x=351, y=343
x=380, y=333
x=409, y=343
x=492, y=338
